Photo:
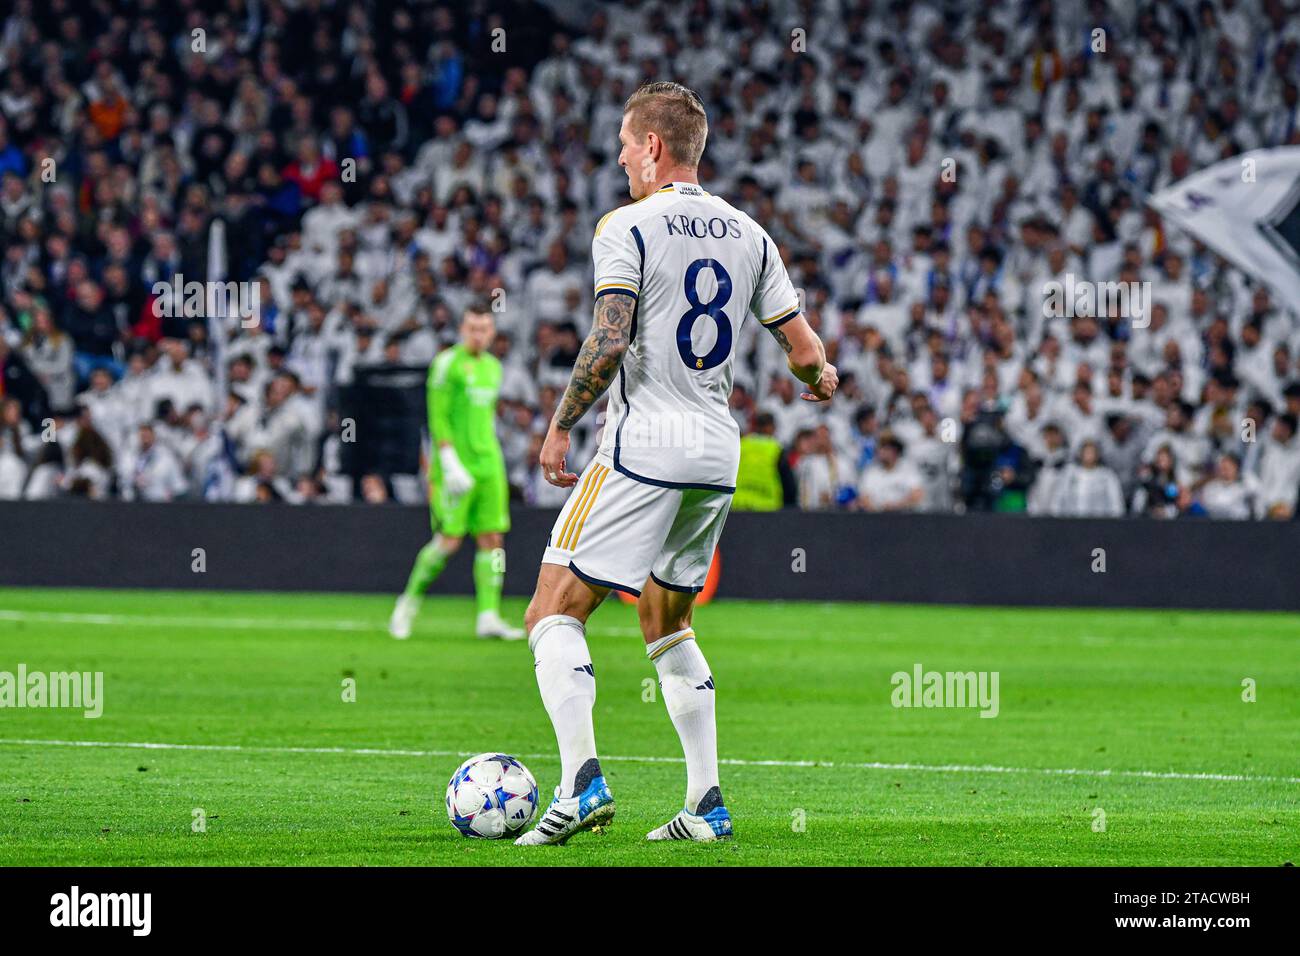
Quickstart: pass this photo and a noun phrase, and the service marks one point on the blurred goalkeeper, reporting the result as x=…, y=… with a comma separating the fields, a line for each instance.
x=468, y=491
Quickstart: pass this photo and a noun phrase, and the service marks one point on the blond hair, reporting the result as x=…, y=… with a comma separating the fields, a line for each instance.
x=675, y=114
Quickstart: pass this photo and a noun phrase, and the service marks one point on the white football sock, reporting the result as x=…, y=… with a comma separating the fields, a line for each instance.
x=568, y=686
x=688, y=695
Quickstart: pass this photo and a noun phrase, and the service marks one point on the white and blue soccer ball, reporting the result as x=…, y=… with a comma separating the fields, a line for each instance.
x=491, y=796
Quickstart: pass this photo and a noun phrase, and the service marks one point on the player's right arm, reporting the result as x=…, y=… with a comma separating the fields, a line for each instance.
x=616, y=253
x=438, y=396
x=598, y=362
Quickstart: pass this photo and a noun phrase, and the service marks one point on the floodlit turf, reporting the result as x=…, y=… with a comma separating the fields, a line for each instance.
x=253, y=676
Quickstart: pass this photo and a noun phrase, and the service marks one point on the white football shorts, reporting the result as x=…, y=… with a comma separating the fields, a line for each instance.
x=615, y=531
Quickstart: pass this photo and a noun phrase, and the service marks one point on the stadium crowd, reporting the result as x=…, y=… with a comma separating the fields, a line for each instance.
x=927, y=168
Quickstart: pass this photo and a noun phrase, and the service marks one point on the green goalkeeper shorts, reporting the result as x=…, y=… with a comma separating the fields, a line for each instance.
x=484, y=509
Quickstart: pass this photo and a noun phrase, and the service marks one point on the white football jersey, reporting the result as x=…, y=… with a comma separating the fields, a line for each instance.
x=697, y=266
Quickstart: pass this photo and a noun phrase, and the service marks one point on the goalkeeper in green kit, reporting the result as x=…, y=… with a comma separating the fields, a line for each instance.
x=468, y=491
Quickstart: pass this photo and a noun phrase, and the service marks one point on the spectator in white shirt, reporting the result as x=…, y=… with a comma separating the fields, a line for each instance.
x=890, y=483
x=179, y=378
x=884, y=314
x=1051, y=455
x=546, y=289
x=1229, y=495
x=1088, y=489
x=323, y=223
x=1279, y=471
x=935, y=460
x=285, y=427
x=49, y=355
x=824, y=478
x=1191, y=451
x=152, y=473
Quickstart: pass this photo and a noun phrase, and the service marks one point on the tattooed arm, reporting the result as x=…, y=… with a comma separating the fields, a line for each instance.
x=598, y=362
x=806, y=357
x=600, y=358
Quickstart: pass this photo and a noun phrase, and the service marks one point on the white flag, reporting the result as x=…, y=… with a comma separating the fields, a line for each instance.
x=1247, y=209
x=215, y=307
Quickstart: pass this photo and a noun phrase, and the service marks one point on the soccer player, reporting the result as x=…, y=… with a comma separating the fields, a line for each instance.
x=468, y=492
x=675, y=273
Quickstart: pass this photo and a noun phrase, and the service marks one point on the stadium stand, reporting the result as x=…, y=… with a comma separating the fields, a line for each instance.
x=361, y=170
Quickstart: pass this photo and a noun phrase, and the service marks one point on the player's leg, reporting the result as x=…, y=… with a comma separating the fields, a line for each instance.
x=489, y=520
x=449, y=519
x=665, y=609
x=556, y=620
x=607, y=535
x=429, y=563
x=489, y=572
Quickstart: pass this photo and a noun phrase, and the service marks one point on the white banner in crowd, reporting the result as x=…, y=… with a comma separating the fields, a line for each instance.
x=1246, y=210
x=214, y=306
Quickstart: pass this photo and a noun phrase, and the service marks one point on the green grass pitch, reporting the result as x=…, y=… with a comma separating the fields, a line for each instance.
x=286, y=772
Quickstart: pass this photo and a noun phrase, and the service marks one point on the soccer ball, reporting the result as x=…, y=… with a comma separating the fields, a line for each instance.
x=491, y=796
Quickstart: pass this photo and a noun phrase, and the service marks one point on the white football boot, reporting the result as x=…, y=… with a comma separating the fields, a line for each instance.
x=710, y=822
x=591, y=807
x=399, y=625
x=491, y=625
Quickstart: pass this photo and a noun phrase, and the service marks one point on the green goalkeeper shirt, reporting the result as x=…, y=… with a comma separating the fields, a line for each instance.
x=462, y=397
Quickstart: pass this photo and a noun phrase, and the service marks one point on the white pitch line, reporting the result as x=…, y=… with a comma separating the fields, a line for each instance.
x=224, y=623
x=732, y=762
x=216, y=622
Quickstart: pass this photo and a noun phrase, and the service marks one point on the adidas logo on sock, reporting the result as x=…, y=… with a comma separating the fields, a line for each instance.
x=707, y=685
x=587, y=668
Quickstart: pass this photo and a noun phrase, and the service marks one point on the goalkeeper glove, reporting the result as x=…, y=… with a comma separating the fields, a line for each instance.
x=455, y=479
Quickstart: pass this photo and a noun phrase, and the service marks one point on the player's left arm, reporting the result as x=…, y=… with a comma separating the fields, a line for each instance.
x=598, y=362
x=806, y=356
x=776, y=307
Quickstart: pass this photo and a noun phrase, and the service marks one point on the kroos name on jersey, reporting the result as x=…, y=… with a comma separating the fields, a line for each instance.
x=701, y=228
